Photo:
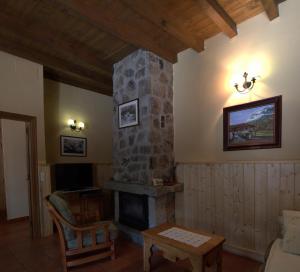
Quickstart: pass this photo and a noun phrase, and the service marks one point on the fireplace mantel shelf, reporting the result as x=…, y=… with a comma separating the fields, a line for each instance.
x=152, y=191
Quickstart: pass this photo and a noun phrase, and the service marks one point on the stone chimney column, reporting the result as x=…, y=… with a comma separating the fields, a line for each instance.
x=145, y=151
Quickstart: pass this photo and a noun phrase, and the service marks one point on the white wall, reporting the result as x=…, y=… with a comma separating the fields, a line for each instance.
x=63, y=102
x=14, y=146
x=203, y=85
x=21, y=91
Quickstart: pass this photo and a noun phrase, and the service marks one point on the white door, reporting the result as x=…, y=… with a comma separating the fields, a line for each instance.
x=14, y=145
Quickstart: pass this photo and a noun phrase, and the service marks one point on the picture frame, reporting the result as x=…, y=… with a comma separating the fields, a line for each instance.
x=254, y=125
x=73, y=146
x=128, y=114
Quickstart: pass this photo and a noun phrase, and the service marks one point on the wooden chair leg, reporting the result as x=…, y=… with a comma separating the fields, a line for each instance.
x=65, y=268
x=113, y=250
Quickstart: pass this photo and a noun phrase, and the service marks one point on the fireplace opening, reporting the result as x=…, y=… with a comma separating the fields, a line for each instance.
x=133, y=210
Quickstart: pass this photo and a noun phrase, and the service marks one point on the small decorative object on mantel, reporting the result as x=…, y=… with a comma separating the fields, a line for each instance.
x=172, y=180
x=73, y=146
x=129, y=114
x=253, y=125
x=158, y=182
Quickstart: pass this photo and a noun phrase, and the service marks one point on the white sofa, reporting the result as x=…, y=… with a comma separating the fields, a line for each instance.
x=281, y=261
x=284, y=255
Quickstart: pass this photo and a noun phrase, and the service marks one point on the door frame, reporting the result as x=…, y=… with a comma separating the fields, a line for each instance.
x=34, y=207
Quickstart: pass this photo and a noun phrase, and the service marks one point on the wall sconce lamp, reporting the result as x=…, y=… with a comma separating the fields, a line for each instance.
x=75, y=126
x=247, y=85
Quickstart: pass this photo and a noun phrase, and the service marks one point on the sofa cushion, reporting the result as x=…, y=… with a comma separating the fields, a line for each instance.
x=291, y=232
x=280, y=261
x=100, y=237
x=62, y=207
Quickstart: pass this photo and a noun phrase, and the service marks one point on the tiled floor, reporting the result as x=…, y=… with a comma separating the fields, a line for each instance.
x=18, y=253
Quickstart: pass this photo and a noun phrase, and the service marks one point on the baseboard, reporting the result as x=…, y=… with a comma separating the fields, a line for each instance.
x=19, y=219
x=251, y=254
x=2, y=216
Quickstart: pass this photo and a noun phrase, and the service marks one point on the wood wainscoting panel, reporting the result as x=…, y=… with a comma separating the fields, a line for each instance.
x=240, y=200
x=218, y=188
x=3, y=216
x=249, y=207
x=44, y=191
x=103, y=173
x=297, y=186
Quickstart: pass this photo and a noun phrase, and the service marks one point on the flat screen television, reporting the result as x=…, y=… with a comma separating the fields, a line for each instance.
x=73, y=176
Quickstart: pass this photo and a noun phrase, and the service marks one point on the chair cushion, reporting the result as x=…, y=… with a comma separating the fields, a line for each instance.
x=291, y=228
x=62, y=207
x=100, y=237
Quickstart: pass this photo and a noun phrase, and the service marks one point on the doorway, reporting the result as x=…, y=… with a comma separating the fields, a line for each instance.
x=24, y=152
x=15, y=169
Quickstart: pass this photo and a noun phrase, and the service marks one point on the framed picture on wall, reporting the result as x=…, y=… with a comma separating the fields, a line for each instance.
x=128, y=114
x=253, y=125
x=73, y=146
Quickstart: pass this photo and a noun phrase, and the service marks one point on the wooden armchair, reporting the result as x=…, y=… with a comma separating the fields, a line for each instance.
x=80, y=244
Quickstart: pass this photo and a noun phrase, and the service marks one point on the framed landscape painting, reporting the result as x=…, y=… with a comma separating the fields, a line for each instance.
x=253, y=125
x=73, y=146
x=129, y=114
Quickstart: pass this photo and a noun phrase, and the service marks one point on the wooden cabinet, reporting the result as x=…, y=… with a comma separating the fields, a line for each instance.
x=86, y=205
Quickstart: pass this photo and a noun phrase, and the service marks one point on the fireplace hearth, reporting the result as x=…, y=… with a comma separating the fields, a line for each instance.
x=133, y=210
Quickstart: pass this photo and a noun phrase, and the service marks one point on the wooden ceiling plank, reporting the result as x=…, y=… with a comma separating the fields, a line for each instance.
x=152, y=13
x=220, y=17
x=75, y=49
x=116, y=19
x=19, y=48
x=271, y=8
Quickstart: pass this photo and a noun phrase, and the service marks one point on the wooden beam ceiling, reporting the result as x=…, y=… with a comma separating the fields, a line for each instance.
x=19, y=46
x=271, y=8
x=74, y=49
x=120, y=21
x=78, y=41
x=22, y=41
x=150, y=10
x=220, y=17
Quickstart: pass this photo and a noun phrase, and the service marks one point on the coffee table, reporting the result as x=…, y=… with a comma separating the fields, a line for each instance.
x=202, y=257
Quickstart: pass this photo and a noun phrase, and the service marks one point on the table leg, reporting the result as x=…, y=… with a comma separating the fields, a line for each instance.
x=219, y=260
x=196, y=264
x=213, y=261
x=147, y=254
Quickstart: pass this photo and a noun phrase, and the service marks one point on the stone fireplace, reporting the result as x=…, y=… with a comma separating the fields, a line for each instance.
x=144, y=152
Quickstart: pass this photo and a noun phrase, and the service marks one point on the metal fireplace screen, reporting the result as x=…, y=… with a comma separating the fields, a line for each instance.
x=133, y=210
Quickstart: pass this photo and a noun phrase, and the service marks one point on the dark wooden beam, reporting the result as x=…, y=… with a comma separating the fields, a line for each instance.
x=116, y=55
x=120, y=21
x=17, y=46
x=220, y=17
x=77, y=81
x=271, y=8
x=151, y=11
